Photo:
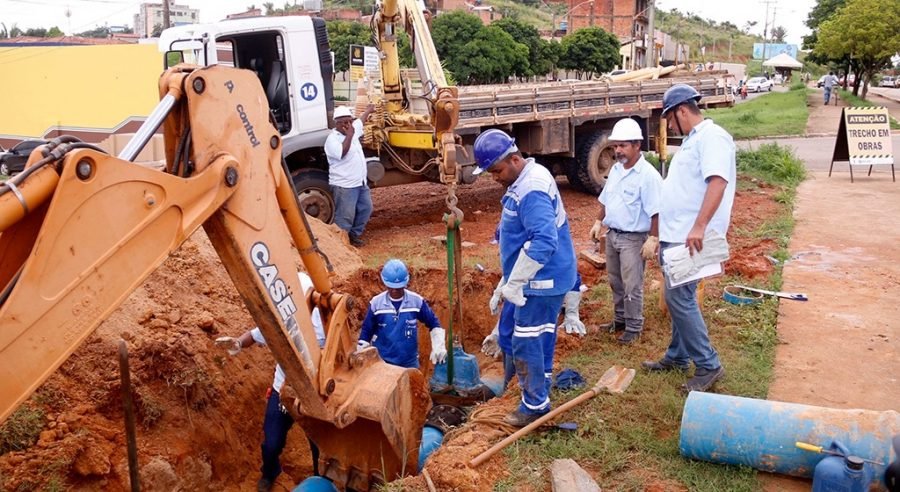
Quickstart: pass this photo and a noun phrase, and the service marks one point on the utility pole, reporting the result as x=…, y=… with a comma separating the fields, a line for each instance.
x=166, y=23
x=766, y=28
x=651, y=49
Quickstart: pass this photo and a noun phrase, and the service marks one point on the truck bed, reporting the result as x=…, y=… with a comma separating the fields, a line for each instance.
x=489, y=105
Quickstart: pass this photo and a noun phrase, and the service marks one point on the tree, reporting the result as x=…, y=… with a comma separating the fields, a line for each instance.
x=865, y=31
x=157, y=30
x=491, y=57
x=451, y=31
x=341, y=34
x=39, y=32
x=404, y=51
x=55, y=32
x=550, y=54
x=749, y=26
x=778, y=34
x=590, y=50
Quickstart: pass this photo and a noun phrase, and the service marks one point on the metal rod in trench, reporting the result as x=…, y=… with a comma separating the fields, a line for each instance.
x=127, y=403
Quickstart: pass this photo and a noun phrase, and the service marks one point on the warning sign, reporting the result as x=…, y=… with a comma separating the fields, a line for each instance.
x=364, y=62
x=357, y=61
x=864, y=139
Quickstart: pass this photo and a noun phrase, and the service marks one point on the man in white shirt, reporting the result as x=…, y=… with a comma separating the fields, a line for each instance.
x=347, y=173
x=697, y=197
x=277, y=421
x=629, y=207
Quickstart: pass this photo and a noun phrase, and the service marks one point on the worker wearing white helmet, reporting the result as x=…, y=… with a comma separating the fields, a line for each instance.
x=347, y=174
x=629, y=209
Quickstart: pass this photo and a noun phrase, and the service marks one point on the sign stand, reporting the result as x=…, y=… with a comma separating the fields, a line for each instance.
x=864, y=139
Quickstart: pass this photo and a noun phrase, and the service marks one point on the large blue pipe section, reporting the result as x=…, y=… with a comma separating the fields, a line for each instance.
x=762, y=434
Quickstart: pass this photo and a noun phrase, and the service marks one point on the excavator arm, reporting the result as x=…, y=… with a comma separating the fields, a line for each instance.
x=444, y=115
x=82, y=229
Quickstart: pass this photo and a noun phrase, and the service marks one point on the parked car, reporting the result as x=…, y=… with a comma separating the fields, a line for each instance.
x=888, y=81
x=13, y=161
x=759, y=84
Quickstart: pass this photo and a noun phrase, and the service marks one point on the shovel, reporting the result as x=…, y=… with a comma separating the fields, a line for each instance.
x=785, y=295
x=615, y=380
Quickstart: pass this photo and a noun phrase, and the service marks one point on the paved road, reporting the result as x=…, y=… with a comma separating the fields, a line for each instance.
x=816, y=151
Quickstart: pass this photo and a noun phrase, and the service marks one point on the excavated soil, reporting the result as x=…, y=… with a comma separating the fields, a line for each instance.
x=200, y=411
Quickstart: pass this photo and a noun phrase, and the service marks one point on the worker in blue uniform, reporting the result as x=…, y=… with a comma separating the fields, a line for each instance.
x=392, y=320
x=538, y=263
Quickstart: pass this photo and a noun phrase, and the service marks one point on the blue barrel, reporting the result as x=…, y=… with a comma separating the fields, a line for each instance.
x=315, y=484
x=762, y=434
x=431, y=440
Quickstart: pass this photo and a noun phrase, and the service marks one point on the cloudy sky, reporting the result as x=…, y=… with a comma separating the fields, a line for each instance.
x=86, y=14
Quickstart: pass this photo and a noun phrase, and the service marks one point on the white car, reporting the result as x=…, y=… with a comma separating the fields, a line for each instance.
x=888, y=81
x=759, y=84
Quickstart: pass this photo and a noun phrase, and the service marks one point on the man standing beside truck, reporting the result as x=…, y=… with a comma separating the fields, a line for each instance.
x=347, y=173
x=538, y=263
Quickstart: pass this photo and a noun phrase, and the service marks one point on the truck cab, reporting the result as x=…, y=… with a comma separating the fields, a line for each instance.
x=297, y=84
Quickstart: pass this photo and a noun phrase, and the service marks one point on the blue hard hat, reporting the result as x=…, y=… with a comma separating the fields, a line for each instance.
x=492, y=147
x=394, y=274
x=679, y=94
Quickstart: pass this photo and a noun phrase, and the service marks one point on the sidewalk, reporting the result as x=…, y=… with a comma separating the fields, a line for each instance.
x=823, y=120
x=841, y=349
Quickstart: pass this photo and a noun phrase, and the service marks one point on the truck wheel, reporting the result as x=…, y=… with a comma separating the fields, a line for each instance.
x=594, y=157
x=314, y=194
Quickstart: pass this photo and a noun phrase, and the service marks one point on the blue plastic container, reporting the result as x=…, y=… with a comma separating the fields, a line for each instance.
x=762, y=434
x=431, y=440
x=466, y=375
x=315, y=484
x=846, y=473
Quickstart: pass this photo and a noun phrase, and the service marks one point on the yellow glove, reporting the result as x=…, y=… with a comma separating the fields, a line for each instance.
x=597, y=231
x=650, y=247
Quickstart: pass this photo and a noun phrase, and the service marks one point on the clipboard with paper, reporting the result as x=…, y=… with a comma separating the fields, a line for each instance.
x=681, y=267
x=709, y=270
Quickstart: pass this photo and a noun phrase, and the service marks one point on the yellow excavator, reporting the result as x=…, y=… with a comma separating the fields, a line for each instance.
x=81, y=229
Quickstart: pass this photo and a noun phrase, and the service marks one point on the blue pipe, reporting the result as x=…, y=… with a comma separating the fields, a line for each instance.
x=762, y=434
x=431, y=440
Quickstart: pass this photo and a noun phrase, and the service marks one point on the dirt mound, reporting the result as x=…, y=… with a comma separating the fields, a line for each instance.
x=199, y=411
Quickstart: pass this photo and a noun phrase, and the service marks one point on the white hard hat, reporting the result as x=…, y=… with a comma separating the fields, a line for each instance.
x=626, y=130
x=342, y=112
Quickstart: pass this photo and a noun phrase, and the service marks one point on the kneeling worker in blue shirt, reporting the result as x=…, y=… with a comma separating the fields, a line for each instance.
x=392, y=320
x=538, y=262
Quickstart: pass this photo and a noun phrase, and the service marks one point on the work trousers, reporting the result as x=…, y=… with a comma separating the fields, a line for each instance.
x=690, y=338
x=276, y=425
x=625, y=268
x=827, y=95
x=533, y=343
x=352, y=208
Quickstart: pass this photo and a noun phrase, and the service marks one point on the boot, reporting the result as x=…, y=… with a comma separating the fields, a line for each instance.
x=662, y=365
x=519, y=419
x=703, y=379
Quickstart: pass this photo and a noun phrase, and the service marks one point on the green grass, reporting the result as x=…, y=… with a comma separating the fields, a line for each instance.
x=858, y=102
x=778, y=113
x=630, y=441
x=773, y=163
x=21, y=429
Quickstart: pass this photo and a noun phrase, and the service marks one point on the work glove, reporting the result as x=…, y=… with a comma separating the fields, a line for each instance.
x=361, y=345
x=438, y=346
x=648, y=250
x=597, y=230
x=494, y=304
x=491, y=345
x=681, y=265
x=522, y=272
x=231, y=344
x=572, y=323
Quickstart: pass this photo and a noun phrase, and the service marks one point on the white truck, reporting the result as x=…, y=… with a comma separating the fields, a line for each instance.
x=563, y=124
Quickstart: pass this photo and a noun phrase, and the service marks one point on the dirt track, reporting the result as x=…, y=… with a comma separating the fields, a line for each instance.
x=200, y=411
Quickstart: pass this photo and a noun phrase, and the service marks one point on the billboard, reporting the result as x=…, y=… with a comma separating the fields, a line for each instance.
x=774, y=49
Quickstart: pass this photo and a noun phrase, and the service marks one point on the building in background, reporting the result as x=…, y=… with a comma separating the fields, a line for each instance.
x=151, y=14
